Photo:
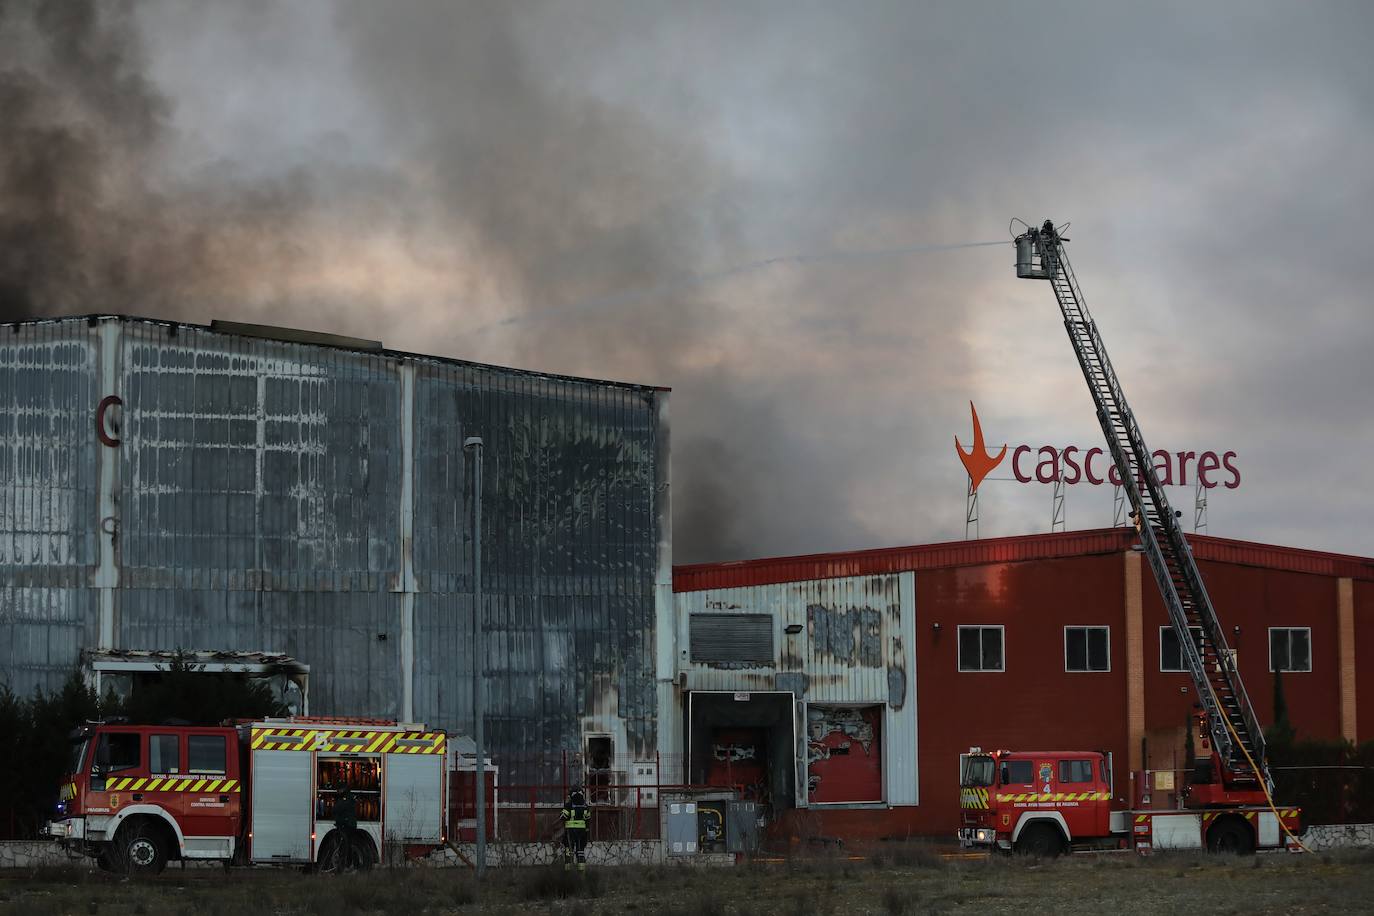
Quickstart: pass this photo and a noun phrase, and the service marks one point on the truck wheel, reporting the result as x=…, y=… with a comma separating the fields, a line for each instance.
x=1231, y=835
x=138, y=851
x=340, y=853
x=334, y=855
x=1041, y=841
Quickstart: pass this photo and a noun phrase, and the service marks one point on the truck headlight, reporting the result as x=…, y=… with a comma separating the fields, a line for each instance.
x=984, y=835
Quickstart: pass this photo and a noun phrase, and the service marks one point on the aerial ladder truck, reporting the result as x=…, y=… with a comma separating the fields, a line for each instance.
x=1229, y=803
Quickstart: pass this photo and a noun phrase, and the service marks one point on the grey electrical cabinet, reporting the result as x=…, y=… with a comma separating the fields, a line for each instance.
x=742, y=827
x=681, y=820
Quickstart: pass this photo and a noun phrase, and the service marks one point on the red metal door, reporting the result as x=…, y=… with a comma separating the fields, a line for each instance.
x=119, y=763
x=1077, y=787
x=210, y=790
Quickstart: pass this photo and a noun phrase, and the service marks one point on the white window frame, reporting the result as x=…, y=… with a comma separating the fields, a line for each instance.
x=1182, y=670
x=1087, y=626
x=1308, y=669
x=959, y=656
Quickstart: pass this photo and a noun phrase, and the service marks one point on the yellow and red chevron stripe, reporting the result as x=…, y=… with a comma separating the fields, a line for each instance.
x=172, y=784
x=348, y=741
x=973, y=798
x=1053, y=796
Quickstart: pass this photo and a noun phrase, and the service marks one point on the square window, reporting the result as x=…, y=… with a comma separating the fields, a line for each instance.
x=206, y=753
x=1290, y=648
x=164, y=754
x=980, y=649
x=118, y=751
x=1075, y=771
x=1087, y=649
x=1017, y=773
x=1171, y=653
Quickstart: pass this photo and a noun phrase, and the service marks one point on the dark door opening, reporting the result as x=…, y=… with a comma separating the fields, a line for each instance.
x=744, y=741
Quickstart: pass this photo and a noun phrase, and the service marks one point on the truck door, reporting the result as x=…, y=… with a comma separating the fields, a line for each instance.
x=211, y=798
x=166, y=769
x=1076, y=795
x=119, y=762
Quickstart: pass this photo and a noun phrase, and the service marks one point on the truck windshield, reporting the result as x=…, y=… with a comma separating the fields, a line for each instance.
x=977, y=771
x=78, y=755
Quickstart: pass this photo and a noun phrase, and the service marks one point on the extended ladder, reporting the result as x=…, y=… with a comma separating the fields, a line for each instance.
x=1041, y=256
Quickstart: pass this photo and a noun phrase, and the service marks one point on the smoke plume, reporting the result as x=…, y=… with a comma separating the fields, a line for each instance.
x=573, y=188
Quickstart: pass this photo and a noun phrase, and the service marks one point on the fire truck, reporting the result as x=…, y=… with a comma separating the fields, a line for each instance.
x=1046, y=802
x=252, y=793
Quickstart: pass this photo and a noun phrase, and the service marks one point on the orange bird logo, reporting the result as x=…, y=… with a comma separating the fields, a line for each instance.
x=977, y=460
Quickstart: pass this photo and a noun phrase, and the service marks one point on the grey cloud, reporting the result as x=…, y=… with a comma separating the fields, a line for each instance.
x=568, y=187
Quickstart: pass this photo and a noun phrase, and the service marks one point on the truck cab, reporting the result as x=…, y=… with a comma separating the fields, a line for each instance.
x=138, y=796
x=1036, y=802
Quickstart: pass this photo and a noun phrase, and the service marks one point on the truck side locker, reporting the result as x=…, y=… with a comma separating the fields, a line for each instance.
x=414, y=798
x=281, y=817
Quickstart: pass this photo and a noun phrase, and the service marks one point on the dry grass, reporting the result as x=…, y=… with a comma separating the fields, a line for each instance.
x=906, y=881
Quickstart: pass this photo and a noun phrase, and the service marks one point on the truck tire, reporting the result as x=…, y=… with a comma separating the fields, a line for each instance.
x=341, y=853
x=139, y=849
x=1043, y=841
x=1231, y=834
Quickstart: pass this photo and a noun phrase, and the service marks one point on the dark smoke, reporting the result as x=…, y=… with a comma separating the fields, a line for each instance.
x=550, y=197
x=568, y=187
x=92, y=218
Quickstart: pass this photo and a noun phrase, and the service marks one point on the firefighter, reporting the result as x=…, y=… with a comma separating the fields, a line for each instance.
x=574, y=818
x=346, y=822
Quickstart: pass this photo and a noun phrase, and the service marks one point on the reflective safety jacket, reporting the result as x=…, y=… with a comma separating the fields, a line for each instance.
x=574, y=817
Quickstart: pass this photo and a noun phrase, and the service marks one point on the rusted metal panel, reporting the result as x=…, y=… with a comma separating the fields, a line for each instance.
x=844, y=635
x=850, y=646
x=271, y=495
x=42, y=632
x=48, y=501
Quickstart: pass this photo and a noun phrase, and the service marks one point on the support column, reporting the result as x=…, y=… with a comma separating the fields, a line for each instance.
x=106, y=574
x=1135, y=662
x=669, y=714
x=1345, y=648
x=405, y=580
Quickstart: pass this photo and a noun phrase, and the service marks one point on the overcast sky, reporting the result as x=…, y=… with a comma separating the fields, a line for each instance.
x=589, y=188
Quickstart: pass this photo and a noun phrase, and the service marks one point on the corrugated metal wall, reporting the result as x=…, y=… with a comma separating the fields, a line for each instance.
x=311, y=500
x=855, y=647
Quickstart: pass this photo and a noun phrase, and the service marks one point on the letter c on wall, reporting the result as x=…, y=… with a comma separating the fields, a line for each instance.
x=101, y=433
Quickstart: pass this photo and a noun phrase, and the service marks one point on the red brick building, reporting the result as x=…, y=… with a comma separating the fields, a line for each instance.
x=1037, y=642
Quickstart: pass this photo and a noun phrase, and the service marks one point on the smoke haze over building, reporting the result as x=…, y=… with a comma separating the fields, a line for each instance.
x=571, y=188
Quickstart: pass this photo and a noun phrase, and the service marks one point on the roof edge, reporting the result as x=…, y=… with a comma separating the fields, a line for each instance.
x=1019, y=548
x=324, y=340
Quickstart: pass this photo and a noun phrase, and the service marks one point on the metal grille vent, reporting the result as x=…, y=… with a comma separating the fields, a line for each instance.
x=732, y=639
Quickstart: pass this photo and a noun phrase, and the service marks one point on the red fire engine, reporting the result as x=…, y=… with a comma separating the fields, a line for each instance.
x=1045, y=802
x=256, y=793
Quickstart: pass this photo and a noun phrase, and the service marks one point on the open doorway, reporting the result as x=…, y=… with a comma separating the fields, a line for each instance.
x=600, y=769
x=746, y=741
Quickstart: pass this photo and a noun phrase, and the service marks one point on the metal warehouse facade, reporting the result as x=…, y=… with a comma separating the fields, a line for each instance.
x=852, y=681
x=169, y=485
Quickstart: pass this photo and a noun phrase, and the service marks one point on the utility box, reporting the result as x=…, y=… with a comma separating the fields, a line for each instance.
x=742, y=827
x=680, y=822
